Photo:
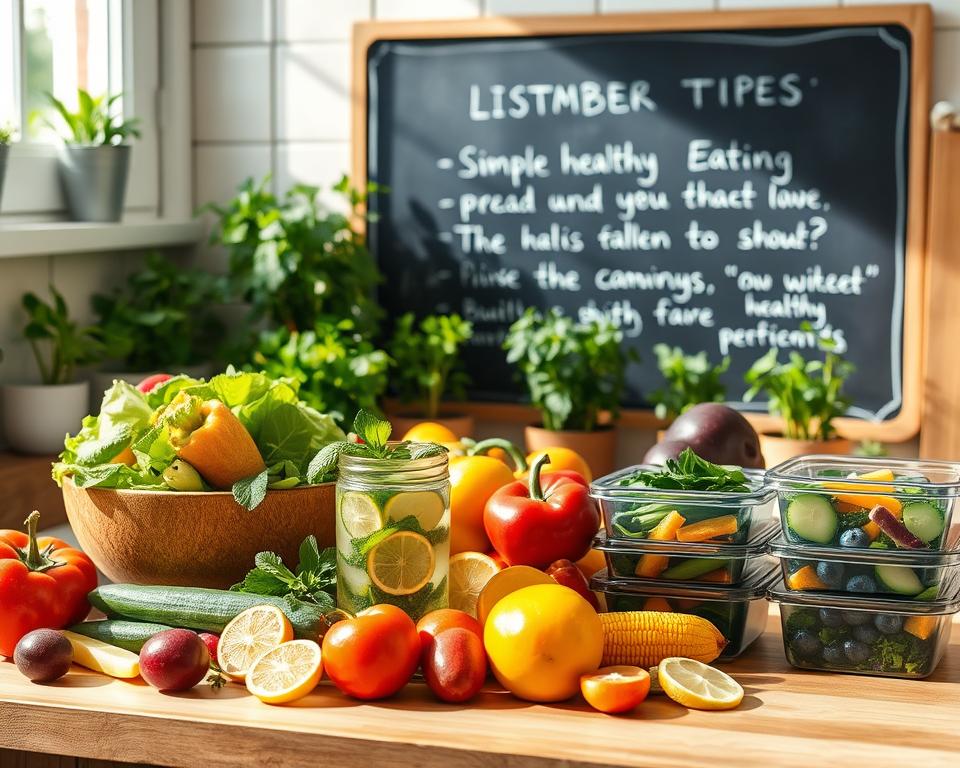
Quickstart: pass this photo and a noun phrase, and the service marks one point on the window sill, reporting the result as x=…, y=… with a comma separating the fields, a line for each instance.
x=43, y=239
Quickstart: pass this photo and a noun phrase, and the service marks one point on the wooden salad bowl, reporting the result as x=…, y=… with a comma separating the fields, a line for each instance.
x=194, y=539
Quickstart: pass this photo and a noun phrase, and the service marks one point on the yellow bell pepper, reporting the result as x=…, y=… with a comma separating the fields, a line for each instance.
x=473, y=480
x=208, y=436
x=561, y=459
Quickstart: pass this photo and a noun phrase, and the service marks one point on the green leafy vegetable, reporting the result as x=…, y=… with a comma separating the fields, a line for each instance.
x=688, y=472
x=690, y=379
x=251, y=491
x=315, y=580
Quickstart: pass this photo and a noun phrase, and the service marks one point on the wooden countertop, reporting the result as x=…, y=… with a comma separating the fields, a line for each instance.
x=788, y=718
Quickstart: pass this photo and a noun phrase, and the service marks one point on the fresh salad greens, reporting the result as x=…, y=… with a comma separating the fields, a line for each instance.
x=127, y=445
x=688, y=472
x=374, y=435
x=315, y=580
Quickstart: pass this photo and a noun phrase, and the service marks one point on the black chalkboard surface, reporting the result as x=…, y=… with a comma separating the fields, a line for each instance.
x=710, y=190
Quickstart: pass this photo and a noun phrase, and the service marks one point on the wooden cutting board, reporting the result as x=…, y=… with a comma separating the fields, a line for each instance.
x=788, y=718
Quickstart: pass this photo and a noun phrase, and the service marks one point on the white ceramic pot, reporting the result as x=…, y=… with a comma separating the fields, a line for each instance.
x=101, y=381
x=37, y=417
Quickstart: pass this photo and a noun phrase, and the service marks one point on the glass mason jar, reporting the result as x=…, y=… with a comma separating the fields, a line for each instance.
x=393, y=533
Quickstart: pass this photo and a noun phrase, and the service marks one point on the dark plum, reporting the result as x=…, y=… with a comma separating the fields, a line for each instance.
x=43, y=655
x=174, y=660
x=719, y=434
x=665, y=449
x=866, y=633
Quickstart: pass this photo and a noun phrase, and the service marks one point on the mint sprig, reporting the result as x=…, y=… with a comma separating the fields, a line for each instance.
x=315, y=580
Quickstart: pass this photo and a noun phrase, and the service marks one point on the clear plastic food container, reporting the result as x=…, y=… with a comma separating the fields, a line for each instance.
x=904, y=575
x=632, y=512
x=866, y=635
x=740, y=613
x=900, y=505
x=689, y=562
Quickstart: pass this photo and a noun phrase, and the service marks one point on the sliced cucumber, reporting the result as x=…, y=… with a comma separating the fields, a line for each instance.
x=899, y=579
x=930, y=593
x=812, y=517
x=924, y=520
x=692, y=567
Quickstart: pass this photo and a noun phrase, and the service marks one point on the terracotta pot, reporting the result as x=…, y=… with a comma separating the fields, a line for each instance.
x=777, y=449
x=598, y=448
x=461, y=426
x=194, y=539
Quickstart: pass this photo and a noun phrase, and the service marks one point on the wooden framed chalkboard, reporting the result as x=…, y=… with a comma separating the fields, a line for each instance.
x=708, y=180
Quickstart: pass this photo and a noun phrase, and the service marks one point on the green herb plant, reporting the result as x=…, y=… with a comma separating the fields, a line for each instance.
x=690, y=379
x=94, y=123
x=426, y=359
x=7, y=134
x=688, y=472
x=58, y=343
x=573, y=371
x=374, y=434
x=294, y=261
x=806, y=394
x=339, y=371
x=163, y=318
x=315, y=580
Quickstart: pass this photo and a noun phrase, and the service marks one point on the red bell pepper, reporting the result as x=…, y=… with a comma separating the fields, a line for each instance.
x=44, y=583
x=543, y=519
x=566, y=573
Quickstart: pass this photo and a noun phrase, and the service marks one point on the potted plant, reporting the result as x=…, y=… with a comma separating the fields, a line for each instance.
x=689, y=380
x=162, y=321
x=808, y=396
x=6, y=138
x=427, y=367
x=95, y=160
x=575, y=374
x=339, y=371
x=294, y=262
x=37, y=416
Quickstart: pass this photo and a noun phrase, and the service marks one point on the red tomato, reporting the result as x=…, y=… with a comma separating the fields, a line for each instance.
x=437, y=621
x=152, y=382
x=455, y=665
x=373, y=655
x=212, y=642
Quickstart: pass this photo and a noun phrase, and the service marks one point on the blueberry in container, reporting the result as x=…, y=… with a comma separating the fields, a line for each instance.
x=849, y=502
x=906, y=575
x=631, y=512
x=688, y=562
x=740, y=613
x=866, y=634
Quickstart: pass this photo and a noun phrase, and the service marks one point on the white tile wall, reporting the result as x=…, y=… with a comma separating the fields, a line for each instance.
x=537, y=7
x=231, y=94
x=313, y=92
x=321, y=165
x=232, y=21
x=219, y=168
x=299, y=21
x=426, y=9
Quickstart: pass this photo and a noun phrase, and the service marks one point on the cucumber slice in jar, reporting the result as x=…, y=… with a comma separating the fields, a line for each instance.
x=899, y=579
x=812, y=517
x=924, y=520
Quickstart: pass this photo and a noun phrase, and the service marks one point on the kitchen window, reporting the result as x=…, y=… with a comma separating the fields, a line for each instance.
x=57, y=46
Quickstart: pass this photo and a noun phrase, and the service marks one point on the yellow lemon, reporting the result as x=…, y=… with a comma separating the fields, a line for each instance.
x=431, y=432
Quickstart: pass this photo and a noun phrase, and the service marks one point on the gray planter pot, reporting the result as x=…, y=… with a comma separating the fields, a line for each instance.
x=4, y=152
x=94, y=181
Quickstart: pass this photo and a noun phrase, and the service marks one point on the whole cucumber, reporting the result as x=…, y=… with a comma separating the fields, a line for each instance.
x=129, y=635
x=207, y=610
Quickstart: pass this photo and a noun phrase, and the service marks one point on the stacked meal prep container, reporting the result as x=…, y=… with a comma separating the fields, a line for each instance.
x=715, y=565
x=866, y=593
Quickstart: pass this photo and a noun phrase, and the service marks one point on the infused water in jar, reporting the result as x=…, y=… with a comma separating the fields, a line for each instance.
x=393, y=533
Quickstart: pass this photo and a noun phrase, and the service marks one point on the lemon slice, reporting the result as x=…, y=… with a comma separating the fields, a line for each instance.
x=251, y=634
x=697, y=685
x=469, y=574
x=359, y=514
x=426, y=506
x=401, y=564
x=286, y=673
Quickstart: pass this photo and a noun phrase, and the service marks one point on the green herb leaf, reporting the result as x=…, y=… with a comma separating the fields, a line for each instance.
x=251, y=491
x=309, y=555
x=374, y=431
x=323, y=466
x=689, y=472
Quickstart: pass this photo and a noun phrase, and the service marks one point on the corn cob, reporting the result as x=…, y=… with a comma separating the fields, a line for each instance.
x=645, y=638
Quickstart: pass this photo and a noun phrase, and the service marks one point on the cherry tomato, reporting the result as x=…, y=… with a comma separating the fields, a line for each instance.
x=373, y=655
x=615, y=689
x=440, y=620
